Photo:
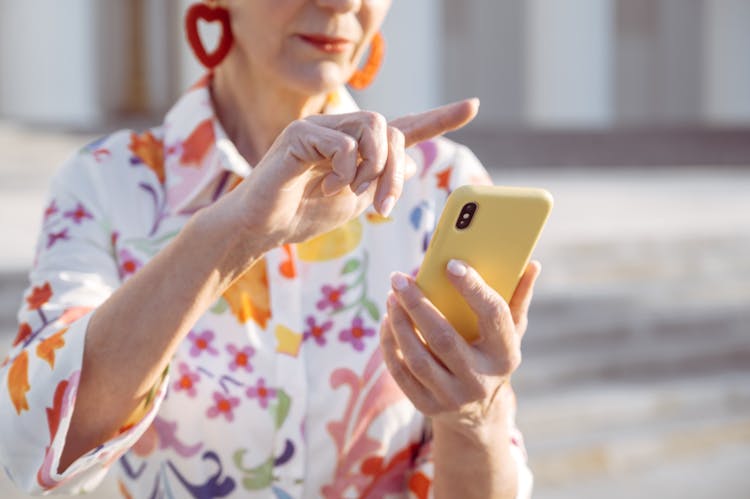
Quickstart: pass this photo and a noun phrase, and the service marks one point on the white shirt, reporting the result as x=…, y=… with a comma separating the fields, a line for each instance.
x=279, y=390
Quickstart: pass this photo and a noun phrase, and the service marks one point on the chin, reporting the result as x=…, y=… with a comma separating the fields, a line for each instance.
x=322, y=78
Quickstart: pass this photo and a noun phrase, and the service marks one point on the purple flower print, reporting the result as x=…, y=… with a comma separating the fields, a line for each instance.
x=201, y=343
x=240, y=358
x=53, y=237
x=78, y=214
x=356, y=334
x=331, y=297
x=261, y=392
x=223, y=406
x=129, y=264
x=315, y=331
x=187, y=380
x=50, y=210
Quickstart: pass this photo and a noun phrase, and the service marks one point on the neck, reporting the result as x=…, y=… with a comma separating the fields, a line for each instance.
x=254, y=111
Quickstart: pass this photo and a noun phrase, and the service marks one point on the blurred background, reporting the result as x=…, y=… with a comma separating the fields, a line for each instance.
x=635, y=114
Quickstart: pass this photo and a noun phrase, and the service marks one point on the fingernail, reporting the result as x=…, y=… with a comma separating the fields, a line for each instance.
x=387, y=206
x=362, y=188
x=457, y=268
x=398, y=281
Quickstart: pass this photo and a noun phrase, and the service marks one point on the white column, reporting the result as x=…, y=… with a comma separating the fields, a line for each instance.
x=48, y=49
x=189, y=67
x=727, y=71
x=569, y=62
x=411, y=76
x=158, y=27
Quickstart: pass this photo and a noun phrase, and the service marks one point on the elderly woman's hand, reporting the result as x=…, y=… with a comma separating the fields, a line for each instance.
x=453, y=381
x=324, y=170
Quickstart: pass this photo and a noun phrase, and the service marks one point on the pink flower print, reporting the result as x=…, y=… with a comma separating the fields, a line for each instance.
x=356, y=334
x=187, y=380
x=240, y=358
x=315, y=331
x=129, y=264
x=223, y=406
x=331, y=297
x=78, y=214
x=201, y=343
x=261, y=392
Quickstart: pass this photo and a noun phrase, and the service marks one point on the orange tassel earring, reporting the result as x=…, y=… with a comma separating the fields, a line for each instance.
x=362, y=78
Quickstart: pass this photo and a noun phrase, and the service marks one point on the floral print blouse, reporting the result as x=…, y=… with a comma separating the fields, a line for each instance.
x=280, y=389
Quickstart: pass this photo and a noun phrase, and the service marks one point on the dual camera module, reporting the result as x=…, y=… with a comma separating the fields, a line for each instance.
x=466, y=215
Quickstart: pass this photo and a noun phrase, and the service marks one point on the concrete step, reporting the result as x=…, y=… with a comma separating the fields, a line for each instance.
x=718, y=473
x=598, y=406
x=634, y=358
x=570, y=458
x=583, y=318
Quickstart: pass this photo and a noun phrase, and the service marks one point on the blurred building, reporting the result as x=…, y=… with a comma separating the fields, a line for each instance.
x=536, y=64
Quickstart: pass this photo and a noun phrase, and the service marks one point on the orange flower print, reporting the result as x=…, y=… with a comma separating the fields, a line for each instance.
x=149, y=150
x=287, y=267
x=420, y=484
x=46, y=349
x=18, y=382
x=444, y=179
x=197, y=145
x=248, y=296
x=39, y=296
x=24, y=331
x=54, y=413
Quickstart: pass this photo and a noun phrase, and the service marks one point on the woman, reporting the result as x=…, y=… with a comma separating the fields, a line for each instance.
x=212, y=325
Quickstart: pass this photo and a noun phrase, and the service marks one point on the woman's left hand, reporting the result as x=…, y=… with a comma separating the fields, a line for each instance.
x=453, y=381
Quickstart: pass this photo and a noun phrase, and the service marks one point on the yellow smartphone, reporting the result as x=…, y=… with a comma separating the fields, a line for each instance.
x=492, y=228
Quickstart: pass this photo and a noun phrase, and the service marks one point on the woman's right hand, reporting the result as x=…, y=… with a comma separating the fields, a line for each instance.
x=325, y=170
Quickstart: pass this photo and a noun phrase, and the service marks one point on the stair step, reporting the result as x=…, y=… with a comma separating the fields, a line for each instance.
x=720, y=472
x=632, y=358
x=582, y=320
x=614, y=406
x=575, y=457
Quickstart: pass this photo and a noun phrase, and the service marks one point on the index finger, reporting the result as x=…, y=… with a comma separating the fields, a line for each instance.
x=422, y=126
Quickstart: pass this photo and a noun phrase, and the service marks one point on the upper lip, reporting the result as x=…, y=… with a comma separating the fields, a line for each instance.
x=321, y=38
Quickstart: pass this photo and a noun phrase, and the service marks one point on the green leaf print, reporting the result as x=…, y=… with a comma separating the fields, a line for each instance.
x=350, y=266
x=372, y=309
x=220, y=306
x=256, y=478
x=280, y=410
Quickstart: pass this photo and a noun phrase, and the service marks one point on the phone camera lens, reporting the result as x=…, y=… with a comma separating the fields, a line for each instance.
x=466, y=215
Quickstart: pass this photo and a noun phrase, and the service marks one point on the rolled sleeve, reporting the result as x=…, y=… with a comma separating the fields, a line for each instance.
x=75, y=271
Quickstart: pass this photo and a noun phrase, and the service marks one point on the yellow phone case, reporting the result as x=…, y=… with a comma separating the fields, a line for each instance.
x=498, y=243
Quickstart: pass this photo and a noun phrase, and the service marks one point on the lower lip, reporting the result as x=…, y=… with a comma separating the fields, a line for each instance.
x=327, y=47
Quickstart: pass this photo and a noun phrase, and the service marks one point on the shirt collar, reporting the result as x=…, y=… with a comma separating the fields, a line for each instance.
x=198, y=153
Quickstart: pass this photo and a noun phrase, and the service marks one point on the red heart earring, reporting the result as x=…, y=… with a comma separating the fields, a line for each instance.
x=208, y=13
